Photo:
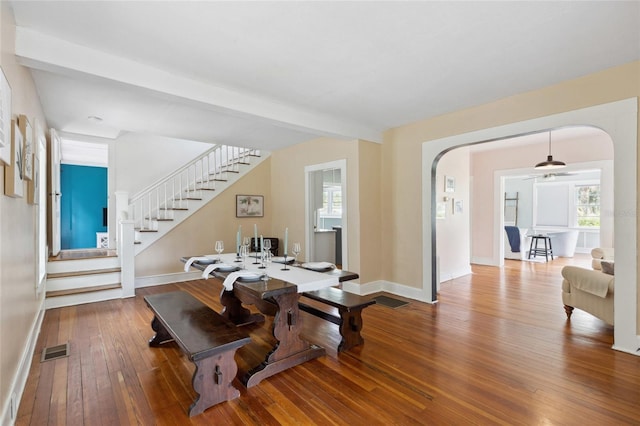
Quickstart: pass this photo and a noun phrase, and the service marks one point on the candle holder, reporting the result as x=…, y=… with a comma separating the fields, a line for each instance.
x=238, y=258
x=285, y=268
x=256, y=257
x=262, y=260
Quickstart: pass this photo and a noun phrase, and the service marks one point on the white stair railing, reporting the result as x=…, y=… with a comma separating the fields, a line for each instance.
x=158, y=201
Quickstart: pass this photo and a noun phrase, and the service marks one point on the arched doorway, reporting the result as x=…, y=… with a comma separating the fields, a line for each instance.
x=619, y=120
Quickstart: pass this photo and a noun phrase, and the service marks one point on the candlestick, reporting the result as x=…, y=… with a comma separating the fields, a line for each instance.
x=255, y=234
x=286, y=240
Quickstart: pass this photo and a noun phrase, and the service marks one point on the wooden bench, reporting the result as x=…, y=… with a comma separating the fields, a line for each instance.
x=209, y=340
x=349, y=307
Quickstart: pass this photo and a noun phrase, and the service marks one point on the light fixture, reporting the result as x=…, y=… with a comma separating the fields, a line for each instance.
x=550, y=163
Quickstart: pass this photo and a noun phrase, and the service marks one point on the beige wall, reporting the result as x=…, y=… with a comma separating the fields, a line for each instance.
x=19, y=305
x=215, y=221
x=363, y=196
x=368, y=225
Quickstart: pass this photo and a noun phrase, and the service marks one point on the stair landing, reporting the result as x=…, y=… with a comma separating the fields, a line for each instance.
x=82, y=254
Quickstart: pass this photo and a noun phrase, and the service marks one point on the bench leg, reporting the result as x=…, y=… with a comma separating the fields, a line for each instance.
x=212, y=381
x=350, y=329
x=161, y=336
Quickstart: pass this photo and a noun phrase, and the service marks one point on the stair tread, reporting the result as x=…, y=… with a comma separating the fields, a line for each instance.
x=82, y=273
x=83, y=254
x=67, y=292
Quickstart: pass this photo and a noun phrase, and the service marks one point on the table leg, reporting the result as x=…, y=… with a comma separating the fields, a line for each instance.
x=290, y=350
x=235, y=312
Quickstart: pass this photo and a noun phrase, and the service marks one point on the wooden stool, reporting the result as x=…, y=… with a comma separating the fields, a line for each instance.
x=535, y=250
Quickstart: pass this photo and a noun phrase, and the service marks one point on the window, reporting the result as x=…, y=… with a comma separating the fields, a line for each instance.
x=331, y=201
x=587, y=199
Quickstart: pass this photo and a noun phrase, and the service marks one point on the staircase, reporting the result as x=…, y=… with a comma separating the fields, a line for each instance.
x=84, y=276
x=160, y=207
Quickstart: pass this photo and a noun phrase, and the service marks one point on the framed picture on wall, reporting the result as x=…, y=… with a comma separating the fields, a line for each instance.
x=249, y=206
x=457, y=206
x=5, y=119
x=27, y=157
x=449, y=184
x=13, y=182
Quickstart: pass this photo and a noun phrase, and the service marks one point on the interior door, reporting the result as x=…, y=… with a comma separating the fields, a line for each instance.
x=55, y=193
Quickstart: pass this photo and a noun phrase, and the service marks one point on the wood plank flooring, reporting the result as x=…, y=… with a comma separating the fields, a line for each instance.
x=496, y=349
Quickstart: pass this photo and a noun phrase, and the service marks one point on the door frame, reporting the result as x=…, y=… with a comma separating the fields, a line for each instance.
x=309, y=218
x=54, y=192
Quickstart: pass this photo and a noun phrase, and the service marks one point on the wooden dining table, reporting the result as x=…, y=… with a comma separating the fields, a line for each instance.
x=278, y=297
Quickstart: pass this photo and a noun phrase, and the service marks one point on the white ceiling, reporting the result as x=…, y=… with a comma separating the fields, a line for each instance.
x=271, y=74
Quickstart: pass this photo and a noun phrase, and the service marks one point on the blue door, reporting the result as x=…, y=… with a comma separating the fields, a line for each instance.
x=83, y=205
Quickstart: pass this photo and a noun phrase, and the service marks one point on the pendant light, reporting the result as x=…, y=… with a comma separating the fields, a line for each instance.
x=550, y=163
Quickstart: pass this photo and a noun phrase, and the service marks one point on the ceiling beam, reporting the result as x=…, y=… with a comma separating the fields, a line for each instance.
x=40, y=51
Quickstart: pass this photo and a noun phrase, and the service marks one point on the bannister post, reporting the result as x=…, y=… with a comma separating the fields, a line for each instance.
x=127, y=257
x=122, y=212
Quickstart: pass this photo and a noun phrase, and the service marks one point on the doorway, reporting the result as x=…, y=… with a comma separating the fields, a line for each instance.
x=83, y=209
x=326, y=212
x=619, y=121
x=84, y=195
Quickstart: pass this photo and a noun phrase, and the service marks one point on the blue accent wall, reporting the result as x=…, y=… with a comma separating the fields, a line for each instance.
x=84, y=196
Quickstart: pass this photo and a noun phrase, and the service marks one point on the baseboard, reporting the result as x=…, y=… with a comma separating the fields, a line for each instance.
x=483, y=261
x=22, y=373
x=452, y=275
x=153, y=280
x=388, y=287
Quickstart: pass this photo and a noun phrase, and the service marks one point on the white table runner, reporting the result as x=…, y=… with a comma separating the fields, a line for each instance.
x=304, y=279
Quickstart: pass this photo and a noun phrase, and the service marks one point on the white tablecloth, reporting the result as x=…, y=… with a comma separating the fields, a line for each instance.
x=304, y=279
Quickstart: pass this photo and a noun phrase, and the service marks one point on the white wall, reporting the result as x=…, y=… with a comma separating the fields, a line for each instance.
x=453, y=232
x=139, y=160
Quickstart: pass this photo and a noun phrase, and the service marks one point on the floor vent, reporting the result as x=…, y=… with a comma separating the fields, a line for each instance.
x=55, y=352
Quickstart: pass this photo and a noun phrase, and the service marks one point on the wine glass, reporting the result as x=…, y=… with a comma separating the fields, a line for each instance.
x=267, y=245
x=219, y=248
x=244, y=253
x=296, y=251
x=267, y=259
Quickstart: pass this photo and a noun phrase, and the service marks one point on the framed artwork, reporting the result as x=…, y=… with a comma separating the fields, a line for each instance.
x=13, y=182
x=449, y=184
x=33, y=186
x=249, y=206
x=441, y=211
x=5, y=119
x=27, y=136
x=457, y=206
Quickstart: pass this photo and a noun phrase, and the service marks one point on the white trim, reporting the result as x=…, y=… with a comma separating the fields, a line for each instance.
x=386, y=286
x=620, y=120
x=22, y=373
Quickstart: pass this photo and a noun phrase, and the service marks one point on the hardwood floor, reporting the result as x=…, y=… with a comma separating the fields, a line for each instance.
x=496, y=349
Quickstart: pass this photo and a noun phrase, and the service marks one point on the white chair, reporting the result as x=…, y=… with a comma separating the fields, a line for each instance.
x=524, y=246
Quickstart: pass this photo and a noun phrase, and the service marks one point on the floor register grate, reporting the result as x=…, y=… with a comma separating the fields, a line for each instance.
x=55, y=352
x=390, y=302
